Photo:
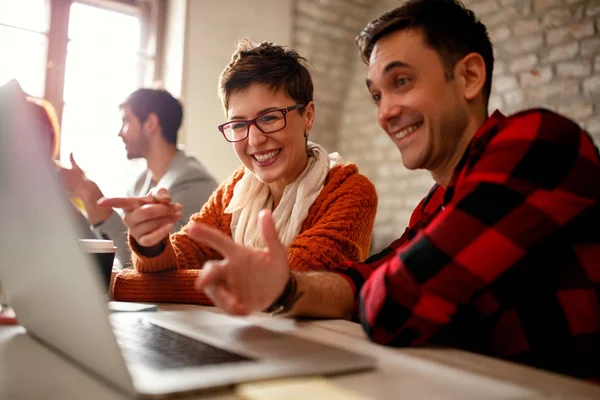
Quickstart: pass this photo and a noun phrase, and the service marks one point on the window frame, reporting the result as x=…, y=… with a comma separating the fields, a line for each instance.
x=152, y=22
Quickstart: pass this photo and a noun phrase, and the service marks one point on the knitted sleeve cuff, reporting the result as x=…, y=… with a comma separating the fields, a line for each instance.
x=165, y=260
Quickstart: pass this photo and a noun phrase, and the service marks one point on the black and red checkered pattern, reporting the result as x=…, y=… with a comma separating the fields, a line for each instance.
x=506, y=260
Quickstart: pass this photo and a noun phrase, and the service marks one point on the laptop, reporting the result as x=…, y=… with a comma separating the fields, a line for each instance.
x=57, y=295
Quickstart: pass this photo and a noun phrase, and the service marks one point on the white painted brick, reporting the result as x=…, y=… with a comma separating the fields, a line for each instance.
x=500, y=17
x=556, y=17
x=556, y=35
x=575, y=31
x=366, y=3
x=314, y=10
x=353, y=23
x=563, y=52
x=593, y=127
x=502, y=84
x=536, y=77
x=582, y=30
x=499, y=34
x=552, y=91
x=523, y=63
x=484, y=7
x=347, y=119
x=590, y=47
x=525, y=8
x=495, y=103
x=577, y=111
x=574, y=69
x=578, y=13
x=514, y=98
x=539, y=5
x=499, y=67
x=526, y=26
x=592, y=9
x=591, y=86
x=525, y=44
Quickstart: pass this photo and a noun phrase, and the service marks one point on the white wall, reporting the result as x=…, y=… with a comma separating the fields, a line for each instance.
x=213, y=28
x=173, y=55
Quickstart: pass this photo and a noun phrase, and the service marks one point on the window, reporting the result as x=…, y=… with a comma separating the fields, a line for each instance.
x=24, y=43
x=107, y=49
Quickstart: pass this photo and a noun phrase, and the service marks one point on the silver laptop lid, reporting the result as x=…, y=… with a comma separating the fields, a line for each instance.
x=53, y=287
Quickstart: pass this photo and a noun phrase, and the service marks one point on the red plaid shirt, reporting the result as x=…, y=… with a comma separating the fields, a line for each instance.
x=506, y=260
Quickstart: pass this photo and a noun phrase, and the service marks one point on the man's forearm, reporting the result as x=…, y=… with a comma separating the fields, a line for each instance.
x=326, y=295
x=90, y=196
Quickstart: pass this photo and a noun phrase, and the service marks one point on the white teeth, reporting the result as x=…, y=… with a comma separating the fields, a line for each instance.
x=266, y=156
x=407, y=130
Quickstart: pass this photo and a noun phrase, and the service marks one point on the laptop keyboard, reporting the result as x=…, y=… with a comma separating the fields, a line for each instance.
x=160, y=348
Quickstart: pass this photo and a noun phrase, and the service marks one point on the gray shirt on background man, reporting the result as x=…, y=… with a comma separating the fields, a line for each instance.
x=189, y=185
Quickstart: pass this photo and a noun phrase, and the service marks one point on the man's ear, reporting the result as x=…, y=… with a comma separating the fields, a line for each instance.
x=151, y=124
x=471, y=71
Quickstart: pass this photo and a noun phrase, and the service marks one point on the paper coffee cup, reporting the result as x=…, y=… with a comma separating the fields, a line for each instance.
x=103, y=254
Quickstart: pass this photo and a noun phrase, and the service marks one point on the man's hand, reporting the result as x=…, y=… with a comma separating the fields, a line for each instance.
x=246, y=279
x=80, y=187
x=72, y=178
x=149, y=218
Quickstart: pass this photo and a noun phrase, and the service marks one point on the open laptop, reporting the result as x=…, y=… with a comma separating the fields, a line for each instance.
x=56, y=293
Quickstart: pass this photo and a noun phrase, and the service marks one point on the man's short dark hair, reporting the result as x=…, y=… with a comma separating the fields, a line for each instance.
x=448, y=27
x=167, y=108
x=278, y=67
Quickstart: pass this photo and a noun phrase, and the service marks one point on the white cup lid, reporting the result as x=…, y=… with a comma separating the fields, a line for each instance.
x=97, y=245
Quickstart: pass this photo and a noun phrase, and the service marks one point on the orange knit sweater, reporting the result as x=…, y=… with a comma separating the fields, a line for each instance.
x=338, y=227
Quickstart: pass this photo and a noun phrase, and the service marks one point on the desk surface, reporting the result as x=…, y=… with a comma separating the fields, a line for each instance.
x=29, y=370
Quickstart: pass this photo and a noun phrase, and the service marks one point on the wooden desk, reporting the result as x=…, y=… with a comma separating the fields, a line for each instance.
x=29, y=370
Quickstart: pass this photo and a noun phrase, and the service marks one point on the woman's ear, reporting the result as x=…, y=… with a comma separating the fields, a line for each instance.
x=309, y=116
x=471, y=70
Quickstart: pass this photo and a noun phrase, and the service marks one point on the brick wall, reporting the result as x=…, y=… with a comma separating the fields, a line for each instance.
x=547, y=54
x=362, y=141
x=324, y=31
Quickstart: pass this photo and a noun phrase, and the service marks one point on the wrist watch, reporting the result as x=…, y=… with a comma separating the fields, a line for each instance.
x=285, y=302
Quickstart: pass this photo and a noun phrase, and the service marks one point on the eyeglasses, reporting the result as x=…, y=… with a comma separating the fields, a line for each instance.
x=267, y=122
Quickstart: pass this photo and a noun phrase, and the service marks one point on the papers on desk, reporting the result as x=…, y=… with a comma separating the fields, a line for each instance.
x=314, y=388
x=125, y=306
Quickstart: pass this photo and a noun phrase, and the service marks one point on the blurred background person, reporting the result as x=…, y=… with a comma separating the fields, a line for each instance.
x=151, y=121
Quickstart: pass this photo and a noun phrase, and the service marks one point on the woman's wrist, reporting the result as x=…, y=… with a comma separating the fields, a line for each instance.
x=288, y=298
x=151, y=251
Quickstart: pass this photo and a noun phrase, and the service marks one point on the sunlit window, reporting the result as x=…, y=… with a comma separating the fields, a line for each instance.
x=103, y=66
x=24, y=43
x=104, y=63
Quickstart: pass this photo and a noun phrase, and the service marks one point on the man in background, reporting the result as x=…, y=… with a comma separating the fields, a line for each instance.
x=151, y=121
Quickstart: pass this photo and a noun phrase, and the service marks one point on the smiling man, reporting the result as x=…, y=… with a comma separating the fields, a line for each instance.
x=501, y=257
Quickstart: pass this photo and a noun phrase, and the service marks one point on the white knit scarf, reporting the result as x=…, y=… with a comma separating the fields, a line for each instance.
x=250, y=195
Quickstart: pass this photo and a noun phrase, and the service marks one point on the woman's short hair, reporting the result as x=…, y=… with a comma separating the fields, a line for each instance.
x=266, y=63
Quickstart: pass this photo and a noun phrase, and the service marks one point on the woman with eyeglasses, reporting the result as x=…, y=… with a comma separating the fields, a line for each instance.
x=322, y=208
